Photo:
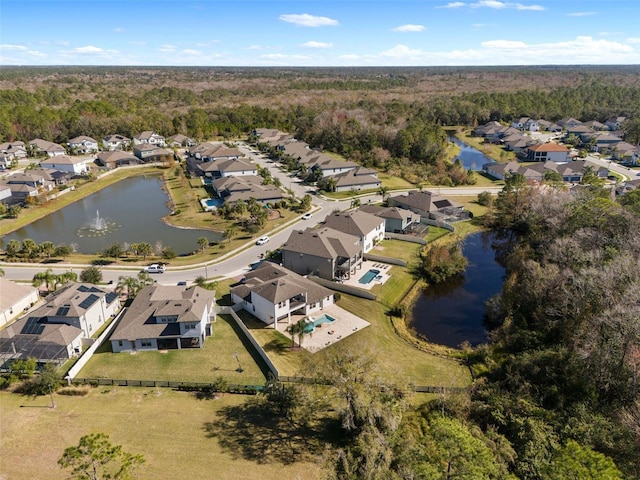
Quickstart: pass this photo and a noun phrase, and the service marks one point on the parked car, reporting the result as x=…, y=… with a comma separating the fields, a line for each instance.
x=182, y=284
x=262, y=240
x=155, y=268
x=306, y=216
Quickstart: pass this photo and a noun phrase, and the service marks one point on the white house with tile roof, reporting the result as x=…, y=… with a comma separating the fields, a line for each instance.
x=83, y=145
x=15, y=299
x=76, y=165
x=273, y=294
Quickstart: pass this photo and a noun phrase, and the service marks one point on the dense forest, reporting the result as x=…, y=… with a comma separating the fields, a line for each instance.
x=390, y=119
x=556, y=391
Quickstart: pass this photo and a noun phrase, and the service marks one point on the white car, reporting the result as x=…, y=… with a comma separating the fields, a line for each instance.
x=306, y=216
x=262, y=240
x=155, y=268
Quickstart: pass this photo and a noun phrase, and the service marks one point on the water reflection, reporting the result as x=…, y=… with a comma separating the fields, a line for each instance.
x=453, y=312
x=132, y=210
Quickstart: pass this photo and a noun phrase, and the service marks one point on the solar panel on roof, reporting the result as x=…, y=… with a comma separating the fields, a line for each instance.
x=111, y=296
x=83, y=288
x=87, y=302
x=62, y=311
x=32, y=326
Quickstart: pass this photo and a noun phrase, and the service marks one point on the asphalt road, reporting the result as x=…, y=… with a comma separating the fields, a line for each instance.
x=237, y=262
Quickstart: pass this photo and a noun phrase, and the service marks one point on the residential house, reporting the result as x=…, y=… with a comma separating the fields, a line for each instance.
x=628, y=186
x=323, y=251
x=226, y=167
x=50, y=148
x=273, y=294
x=548, y=126
x=116, y=142
x=615, y=123
x=397, y=220
x=356, y=179
x=207, y=152
x=165, y=317
x=569, y=122
x=150, y=151
x=15, y=299
x=428, y=204
x=547, y=151
x=58, y=329
x=149, y=137
x=231, y=189
x=75, y=165
x=83, y=145
x=13, y=151
x=116, y=158
x=626, y=153
x=178, y=140
x=605, y=142
x=5, y=194
x=481, y=130
x=367, y=227
x=581, y=131
x=596, y=125
x=526, y=123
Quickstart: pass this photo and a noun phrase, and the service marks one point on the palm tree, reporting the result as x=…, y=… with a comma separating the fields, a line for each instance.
x=145, y=250
x=47, y=249
x=383, y=191
x=203, y=242
x=128, y=284
x=355, y=203
x=45, y=278
x=297, y=330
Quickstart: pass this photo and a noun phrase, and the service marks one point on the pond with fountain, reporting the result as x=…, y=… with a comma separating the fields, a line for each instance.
x=130, y=211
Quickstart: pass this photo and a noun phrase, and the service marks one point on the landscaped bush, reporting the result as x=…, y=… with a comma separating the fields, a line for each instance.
x=75, y=391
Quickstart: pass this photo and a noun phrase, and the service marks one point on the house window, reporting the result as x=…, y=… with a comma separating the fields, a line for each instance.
x=145, y=343
x=119, y=343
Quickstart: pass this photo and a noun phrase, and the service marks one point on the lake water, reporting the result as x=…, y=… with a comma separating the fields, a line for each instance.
x=131, y=211
x=453, y=312
x=471, y=158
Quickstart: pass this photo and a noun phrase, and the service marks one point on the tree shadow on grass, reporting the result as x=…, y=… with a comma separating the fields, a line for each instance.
x=255, y=432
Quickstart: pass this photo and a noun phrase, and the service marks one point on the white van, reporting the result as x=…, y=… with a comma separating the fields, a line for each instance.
x=155, y=268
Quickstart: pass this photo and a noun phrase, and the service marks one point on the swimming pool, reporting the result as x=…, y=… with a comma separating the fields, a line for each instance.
x=370, y=275
x=213, y=202
x=324, y=318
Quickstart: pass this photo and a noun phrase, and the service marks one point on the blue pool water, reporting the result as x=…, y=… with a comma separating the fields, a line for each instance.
x=367, y=277
x=213, y=202
x=324, y=318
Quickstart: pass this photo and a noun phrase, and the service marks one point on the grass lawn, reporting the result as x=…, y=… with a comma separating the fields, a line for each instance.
x=495, y=152
x=171, y=429
x=189, y=365
x=484, y=180
x=394, y=183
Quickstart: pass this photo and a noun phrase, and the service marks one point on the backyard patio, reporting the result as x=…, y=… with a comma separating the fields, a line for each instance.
x=330, y=332
x=371, y=273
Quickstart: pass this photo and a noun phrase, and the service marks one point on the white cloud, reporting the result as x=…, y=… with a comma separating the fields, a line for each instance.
x=21, y=48
x=168, y=48
x=498, y=5
x=283, y=56
x=402, y=52
x=89, y=49
x=210, y=43
x=118, y=30
x=312, y=44
x=609, y=34
x=306, y=20
x=506, y=44
x=191, y=52
x=409, y=28
x=581, y=14
x=453, y=5
x=633, y=40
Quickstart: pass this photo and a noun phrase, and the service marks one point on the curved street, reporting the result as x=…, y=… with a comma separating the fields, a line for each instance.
x=236, y=262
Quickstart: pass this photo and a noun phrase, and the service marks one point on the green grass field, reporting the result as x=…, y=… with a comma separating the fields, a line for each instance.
x=190, y=365
x=173, y=430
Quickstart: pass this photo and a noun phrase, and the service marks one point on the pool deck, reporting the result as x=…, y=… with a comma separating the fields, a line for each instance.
x=366, y=266
x=327, y=334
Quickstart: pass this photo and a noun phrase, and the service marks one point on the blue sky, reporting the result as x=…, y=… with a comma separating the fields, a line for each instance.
x=319, y=33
